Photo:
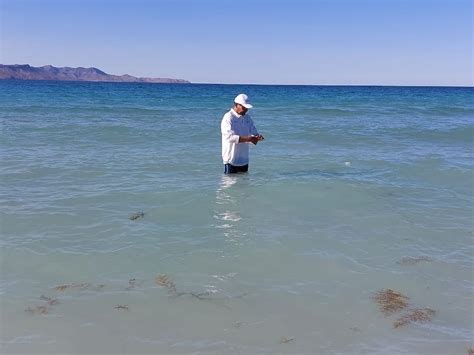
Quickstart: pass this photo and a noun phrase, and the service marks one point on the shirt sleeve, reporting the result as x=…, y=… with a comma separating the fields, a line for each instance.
x=227, y=133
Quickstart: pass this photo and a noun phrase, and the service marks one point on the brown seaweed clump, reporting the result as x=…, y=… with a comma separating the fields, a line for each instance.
x=418, y=315
x=62, y=288
x=412, y=260
x=165, y=281
x=390, y=301
x=136, y=215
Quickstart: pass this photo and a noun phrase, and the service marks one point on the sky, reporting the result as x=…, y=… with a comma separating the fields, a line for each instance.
x=311, y=42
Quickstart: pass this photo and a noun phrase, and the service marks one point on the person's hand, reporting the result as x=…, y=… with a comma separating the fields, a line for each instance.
x=257, y=138
x=251, y=139
x=254, y=139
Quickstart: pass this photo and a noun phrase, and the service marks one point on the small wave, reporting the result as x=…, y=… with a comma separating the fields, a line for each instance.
x=458, y=333
x=449, y=111
x=327, y=112
x=30, y=339
x=458, y=134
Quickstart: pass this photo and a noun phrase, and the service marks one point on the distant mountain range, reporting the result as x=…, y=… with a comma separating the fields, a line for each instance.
x=48, y=72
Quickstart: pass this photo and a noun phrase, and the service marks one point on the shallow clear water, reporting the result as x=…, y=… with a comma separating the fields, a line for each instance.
x=348, y=183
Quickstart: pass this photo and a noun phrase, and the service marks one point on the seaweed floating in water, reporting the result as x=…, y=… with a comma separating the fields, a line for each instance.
x=285, y=340
x=38, y=310
x=136, y=215
x=199, y=296
x=418, y=315
x=165, y=281
x=131, y=284
x=122, y=306
x=45, y=308
x=390, y=301
x=49, y=300
x=412, y=260
x=62, y=288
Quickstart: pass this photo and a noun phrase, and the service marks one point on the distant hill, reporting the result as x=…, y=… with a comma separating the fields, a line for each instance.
x=48, y=72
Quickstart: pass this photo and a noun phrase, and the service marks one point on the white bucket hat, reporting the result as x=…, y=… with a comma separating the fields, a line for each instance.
x=243, y=100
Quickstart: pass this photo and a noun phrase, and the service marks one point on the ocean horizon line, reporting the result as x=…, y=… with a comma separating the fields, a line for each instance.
x=249, y=84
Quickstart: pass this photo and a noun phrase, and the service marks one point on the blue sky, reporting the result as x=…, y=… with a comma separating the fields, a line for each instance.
x=354, y=42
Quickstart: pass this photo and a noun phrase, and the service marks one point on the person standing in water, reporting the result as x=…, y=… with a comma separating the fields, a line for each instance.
x=238, y=131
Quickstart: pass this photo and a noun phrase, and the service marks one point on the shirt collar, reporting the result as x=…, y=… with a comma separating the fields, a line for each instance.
x=235, y=113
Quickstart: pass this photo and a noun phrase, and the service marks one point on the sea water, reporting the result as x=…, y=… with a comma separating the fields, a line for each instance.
x=355, y=190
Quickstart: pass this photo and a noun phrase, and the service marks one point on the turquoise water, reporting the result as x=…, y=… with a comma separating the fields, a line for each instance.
x=349, y=184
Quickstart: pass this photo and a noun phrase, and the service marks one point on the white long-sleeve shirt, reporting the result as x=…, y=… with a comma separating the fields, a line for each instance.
x=234, y=125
